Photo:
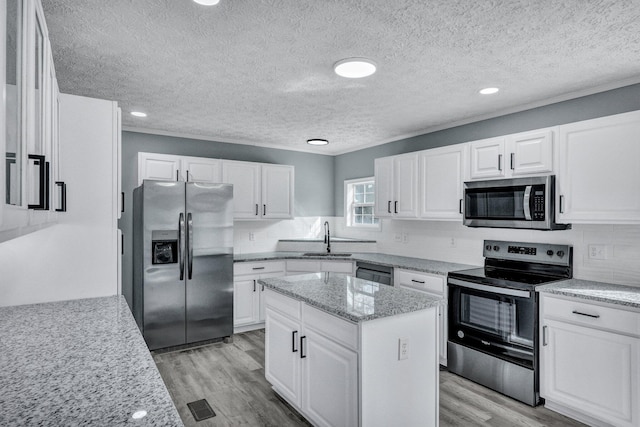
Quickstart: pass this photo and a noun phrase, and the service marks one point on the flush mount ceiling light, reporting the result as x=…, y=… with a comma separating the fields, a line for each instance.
x=138, y=114
x=354, y=68
x=489, y=90
x=207, y=2
x=316, y=141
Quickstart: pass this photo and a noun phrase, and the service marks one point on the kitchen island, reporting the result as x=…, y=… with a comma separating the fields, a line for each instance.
x=350, y=352
x=80, y=362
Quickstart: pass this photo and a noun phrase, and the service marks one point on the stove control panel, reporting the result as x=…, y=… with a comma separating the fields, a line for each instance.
x=531, y=252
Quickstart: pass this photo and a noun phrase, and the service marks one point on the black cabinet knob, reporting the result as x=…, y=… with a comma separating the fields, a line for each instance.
x=550, y=252
x=560, y=253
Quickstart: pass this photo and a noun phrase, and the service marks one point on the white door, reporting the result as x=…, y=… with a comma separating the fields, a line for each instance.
x=282, y=355
x=158, y=166
x=245, y=302
x=598, y=172
x=277, y=191
x=245, y=177
x=487, y=158
x=591, y=371
x=384, y=187
x=330, y=382
x=531, y=152
x=202, y=170
x=441, y=179
x=405, y=172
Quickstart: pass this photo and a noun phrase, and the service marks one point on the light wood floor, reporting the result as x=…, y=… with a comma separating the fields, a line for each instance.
x=231, y=378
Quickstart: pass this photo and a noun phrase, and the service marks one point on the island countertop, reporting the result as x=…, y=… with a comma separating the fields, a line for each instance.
x=350, y=298
x=80, y=362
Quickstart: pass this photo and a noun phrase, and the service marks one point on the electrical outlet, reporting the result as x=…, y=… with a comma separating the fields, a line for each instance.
x=252, y=237
x=403, y=348
x=597, y=251
x=405, y=238
x=398, y=237
x=452, y=242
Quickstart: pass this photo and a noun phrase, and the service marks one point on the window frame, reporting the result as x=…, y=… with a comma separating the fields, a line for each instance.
x=349, y=204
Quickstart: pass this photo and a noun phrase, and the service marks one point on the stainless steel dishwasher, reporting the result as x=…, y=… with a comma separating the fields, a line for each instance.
x=374, y=272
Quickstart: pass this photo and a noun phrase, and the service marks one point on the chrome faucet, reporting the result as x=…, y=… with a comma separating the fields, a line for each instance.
x=327, y=236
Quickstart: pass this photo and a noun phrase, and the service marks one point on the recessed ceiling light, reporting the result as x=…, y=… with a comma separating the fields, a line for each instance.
x=489, y=90
x=317, y=141
x=139, y=414
x=207, y=2
x=138, y=114
x=354, y=68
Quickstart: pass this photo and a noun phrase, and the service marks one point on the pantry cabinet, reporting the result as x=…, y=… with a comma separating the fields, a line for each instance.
x=590, y=360
x=442, y=174
x=396, y=181
x=598, y=172
x=248, y=295
x=168, y=167
x=526, y=153
x=261, y=191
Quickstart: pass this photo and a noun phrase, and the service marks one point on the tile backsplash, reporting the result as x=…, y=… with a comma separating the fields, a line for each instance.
x=453, y=242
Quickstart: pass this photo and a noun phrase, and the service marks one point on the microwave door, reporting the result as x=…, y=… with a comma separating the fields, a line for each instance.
x=526, y=203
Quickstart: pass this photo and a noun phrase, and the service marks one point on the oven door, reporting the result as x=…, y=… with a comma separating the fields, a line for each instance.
x=498, y=321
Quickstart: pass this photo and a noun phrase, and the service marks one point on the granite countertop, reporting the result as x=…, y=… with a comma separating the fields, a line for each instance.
x=418, y=264
x=333, y=239
x=595, y=291
x=80, y=362
x=350, y=298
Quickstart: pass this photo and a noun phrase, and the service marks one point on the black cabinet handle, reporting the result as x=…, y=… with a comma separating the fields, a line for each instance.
x=258, y=268
x=389, y=206
x=264, y=209
x=293, y=342
x=122, y=244
x=302, y=339
x=254, y=285
x=460, y=206
x=257, y=209
x=512, y=156
x=62, y=191
x=417, y=281
x=561, y=207
x=395, y=206
x=499, y=162
x=177, y=175
x=594, y=316
x=43, y=181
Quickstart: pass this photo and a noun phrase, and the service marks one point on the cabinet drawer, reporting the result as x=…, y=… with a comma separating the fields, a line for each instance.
x=281, y=303
x=339, y=330
x=303, y=265
x=421, y=281
x=591, y=315
x=240, y=268
x=337, y=266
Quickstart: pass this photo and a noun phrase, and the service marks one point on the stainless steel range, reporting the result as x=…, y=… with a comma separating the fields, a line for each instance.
x=493, y=315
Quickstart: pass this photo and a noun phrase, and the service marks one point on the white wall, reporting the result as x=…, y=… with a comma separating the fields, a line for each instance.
x=451, y=241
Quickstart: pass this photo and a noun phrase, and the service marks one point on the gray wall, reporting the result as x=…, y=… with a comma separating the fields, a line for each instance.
x=359, y=164
x=313, y=177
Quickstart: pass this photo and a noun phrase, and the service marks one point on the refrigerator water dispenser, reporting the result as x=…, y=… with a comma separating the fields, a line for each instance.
x=164, y=247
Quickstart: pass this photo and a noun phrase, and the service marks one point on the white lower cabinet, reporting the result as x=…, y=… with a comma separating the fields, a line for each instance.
x=307, y=361
x=590, y=361
x=430, y=284
x=248, y=300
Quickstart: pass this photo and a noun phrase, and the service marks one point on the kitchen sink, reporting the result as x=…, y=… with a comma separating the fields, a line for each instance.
x=325, y=254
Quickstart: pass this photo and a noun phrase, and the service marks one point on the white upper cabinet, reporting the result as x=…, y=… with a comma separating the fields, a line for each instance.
x=260, y=191
x=526, y=153
x=599, y=173
x=397, y=186
x=441, y=182
x=168, y=167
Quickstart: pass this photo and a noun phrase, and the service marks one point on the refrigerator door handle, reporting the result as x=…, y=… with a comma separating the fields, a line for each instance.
x=190, y=245
x=180, y=242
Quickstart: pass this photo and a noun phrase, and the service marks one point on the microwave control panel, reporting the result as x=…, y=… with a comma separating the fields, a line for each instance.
x=537, y=213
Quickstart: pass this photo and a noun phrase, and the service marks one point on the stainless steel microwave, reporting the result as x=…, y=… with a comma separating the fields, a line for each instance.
x=512, y=203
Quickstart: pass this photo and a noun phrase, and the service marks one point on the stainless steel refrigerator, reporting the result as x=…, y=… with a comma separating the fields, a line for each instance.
x=183, y=262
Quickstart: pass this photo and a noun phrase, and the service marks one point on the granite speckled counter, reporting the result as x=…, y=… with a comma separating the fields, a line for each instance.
x=350, y=298
x=595, y=291
x=80, y=362
x=418, y=264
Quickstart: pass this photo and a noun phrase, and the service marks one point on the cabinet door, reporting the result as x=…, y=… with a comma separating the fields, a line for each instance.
x=591, y=371
x=531, y=152
x=441, y=179
x=277, y=191
x=158, y=166
x=330, y=382
x=245, y=178
x=260, y=290
x=487, y=158
x=245, y=302
x=598, y=172
x=384, y=186
x=282, y=355
x=405, y=186
x=201, y=169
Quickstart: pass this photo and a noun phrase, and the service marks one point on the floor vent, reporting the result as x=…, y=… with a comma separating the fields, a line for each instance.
x=201, y=410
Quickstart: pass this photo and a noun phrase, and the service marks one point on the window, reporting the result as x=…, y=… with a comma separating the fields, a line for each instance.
x=359, y=203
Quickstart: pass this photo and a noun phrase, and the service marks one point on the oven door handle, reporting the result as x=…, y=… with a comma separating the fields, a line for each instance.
x=490, y=289
x=527, y=203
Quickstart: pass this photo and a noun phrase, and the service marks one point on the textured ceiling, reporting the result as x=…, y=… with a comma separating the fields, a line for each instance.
x=261, y=71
